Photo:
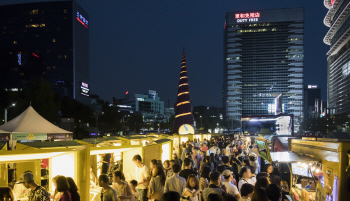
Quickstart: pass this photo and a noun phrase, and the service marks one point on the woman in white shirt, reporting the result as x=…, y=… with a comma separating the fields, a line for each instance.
x=192, y=188
x=245, y=177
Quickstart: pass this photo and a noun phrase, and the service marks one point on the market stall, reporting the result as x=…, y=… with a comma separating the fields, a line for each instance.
x=333, y=164
x=178, y=139
x=159, y=150
x=106, y=156
x=30, y=126
x=318, y=167
x=47, y=160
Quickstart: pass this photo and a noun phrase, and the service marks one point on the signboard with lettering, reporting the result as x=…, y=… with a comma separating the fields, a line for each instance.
x=59, y=136
x=320, y=193
x=82, y=19
x=247, y=17
x=29, y=136
x=84, y=89
x=4, y=137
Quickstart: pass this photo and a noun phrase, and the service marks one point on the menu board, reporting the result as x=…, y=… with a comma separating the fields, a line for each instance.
x=299, y=169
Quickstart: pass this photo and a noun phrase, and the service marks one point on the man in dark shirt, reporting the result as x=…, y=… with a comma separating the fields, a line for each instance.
x=187, y=171
x=226, y=163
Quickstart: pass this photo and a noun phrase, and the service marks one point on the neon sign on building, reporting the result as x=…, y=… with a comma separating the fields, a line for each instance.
x=82, y=19
x=247, y=17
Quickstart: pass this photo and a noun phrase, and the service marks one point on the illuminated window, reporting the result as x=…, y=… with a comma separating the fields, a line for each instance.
x=59, y=56
x=48, y=68
x=36, y=35
x=54, y=40
x=10, y=52
x=22, y=74
x=65, y=56
x=64, y=10
x=53, y=67
x=15, y=69
x=15, y=42
x=33, y=25
x=35, y=12
x=42, y=25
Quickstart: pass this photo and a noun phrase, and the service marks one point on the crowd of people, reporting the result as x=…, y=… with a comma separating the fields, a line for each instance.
x=219, y=169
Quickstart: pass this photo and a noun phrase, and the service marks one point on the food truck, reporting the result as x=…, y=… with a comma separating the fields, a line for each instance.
x=319, y=167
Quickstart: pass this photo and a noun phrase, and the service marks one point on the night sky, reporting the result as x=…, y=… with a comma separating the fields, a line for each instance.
x=136, y=46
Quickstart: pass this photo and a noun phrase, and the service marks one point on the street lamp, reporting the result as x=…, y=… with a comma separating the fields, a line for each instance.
x=12, y=105
x=201, y=121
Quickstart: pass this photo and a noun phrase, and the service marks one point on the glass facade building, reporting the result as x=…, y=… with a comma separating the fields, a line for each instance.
x=263, y=58
x=338, y=38
x=49, y=40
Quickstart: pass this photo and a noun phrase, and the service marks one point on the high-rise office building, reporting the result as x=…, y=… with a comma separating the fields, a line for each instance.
x=338, y=38
x=49, y=40
x=312, y=102
x=263, y=57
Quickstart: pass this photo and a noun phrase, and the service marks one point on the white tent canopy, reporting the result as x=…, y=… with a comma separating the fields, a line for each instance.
x=31, y=122
x=1, y=131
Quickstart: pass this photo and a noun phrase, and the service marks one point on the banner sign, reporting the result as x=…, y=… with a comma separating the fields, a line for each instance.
x=4, y=137
x=59, y=136
x=263, y=149
x=29, y=136
x=320, y=193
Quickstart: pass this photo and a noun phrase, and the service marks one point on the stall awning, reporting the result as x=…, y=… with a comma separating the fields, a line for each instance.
x=290, y=157
x=16, y=156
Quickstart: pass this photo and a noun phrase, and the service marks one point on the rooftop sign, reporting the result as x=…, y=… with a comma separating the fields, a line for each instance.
x=247, y=17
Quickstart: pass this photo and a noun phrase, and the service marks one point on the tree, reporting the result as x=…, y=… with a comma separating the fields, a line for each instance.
x=135, y=122
x=110, y=120
x=41, y=97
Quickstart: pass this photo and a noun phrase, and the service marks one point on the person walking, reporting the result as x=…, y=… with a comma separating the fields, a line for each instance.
x=121, y=186
x=107, y=193
x=187, y=171
x=245, y=177
x=192, y=188
x=157, y=183
x=37, y=193
x=73, y=189
x=175, y=182
x=230, y=187
x=167, y=169
x=214, y=186
x=142, y=177
x=197, y=158
x=63, y=189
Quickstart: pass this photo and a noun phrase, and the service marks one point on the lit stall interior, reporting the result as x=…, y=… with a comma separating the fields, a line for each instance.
x=159, y=150
x=118, y=155
x=45, y=160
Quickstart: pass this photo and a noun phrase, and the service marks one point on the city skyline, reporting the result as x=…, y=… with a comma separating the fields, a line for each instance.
x=121, y=56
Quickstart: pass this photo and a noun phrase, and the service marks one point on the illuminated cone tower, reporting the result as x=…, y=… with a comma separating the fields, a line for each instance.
x=183, y=110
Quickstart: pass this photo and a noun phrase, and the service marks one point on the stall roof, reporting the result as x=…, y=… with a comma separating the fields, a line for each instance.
x=290, y=157
x=162, y=141
x=31, y=122
x=51, y=144
x=99, y=140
